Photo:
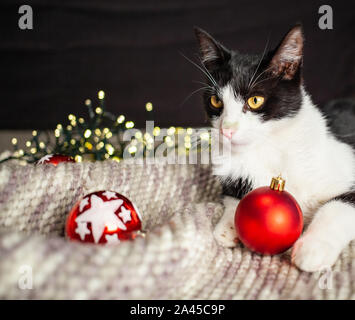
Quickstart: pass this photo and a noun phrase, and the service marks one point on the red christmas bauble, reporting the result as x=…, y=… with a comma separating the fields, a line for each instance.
x=104, y=217
x=55, y=159
x=269, y=220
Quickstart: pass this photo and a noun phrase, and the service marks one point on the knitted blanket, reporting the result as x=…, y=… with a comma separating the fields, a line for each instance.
x=178, y=258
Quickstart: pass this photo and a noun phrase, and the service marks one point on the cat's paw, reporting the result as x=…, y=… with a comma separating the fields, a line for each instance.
x=225, y=234
x=226, y=237
x=224, y=231
x=311, y=254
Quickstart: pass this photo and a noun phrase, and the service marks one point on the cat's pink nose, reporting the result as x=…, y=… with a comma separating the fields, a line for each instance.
x=228, y=132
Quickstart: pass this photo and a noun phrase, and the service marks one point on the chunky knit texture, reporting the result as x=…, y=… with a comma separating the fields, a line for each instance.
x=178, y=259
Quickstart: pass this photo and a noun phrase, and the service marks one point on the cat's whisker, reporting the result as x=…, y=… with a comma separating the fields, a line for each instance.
x=261, y=58
x=194, y=92
x=204, y=67
x=201, y=82
x=207, y=74
x=256, y=79
x=262, y=81
x=259, y=75
x=205, y=84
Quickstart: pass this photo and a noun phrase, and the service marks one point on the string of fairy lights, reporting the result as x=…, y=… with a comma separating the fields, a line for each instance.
x=101, y=136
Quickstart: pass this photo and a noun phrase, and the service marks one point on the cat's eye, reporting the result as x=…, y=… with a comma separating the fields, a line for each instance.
x=215, y=102
x=255, y=102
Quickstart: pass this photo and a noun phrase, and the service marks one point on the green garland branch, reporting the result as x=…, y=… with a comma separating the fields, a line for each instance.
x=98, y=137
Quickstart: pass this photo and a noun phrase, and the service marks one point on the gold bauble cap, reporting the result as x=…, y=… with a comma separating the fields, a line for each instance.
x=277, y=184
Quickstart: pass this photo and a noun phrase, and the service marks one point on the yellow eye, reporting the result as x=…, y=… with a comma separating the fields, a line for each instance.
x=216, y=103
x=255, y=102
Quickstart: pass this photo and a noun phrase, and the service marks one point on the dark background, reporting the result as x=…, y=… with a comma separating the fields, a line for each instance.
x=131, y=50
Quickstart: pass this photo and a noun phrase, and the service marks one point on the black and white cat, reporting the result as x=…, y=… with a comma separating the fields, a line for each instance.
x=265, y=117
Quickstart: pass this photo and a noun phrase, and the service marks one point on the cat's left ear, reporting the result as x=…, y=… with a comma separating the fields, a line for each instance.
x=212, y=52
x=288, y=55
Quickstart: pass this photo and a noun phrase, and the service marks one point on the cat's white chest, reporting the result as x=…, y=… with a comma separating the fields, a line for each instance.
x=258, y=166
x=313, y=173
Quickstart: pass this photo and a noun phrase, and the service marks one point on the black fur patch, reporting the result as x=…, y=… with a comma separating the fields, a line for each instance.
x=237, y=189
x=340, y=115
x=348, y=197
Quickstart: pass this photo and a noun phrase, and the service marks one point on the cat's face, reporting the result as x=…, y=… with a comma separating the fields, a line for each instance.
x=249, y=95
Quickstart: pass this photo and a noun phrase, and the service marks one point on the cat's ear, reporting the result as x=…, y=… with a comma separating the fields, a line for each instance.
x=288, y=55
x=212, y=52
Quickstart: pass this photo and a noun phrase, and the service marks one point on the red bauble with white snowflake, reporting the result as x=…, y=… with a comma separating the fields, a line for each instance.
x=104, y=217
x=54, y=159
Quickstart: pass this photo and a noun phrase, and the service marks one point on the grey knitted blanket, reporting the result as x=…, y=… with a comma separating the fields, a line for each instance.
x=178, y=259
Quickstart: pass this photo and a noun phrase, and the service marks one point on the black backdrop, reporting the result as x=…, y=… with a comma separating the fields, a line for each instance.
x=131, y=50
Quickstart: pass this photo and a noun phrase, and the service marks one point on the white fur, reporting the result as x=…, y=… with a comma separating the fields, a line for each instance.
x=332, y=228
x=209, y=55
x=291, y=52
x=316, y=166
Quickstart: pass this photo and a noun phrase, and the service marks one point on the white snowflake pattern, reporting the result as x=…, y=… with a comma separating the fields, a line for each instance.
x=82, y=230
x=101, y=215
x=112, y=239
x=125, y=214
x=83, y=203
x=45, y=159
x=109, y=195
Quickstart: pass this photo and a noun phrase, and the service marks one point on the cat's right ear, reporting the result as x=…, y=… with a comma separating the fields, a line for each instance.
x=288, y=56
x=212, y=52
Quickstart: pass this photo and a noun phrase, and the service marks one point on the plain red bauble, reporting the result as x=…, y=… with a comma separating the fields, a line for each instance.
x=104, y=217
x=268, y=221
x=54, y=159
